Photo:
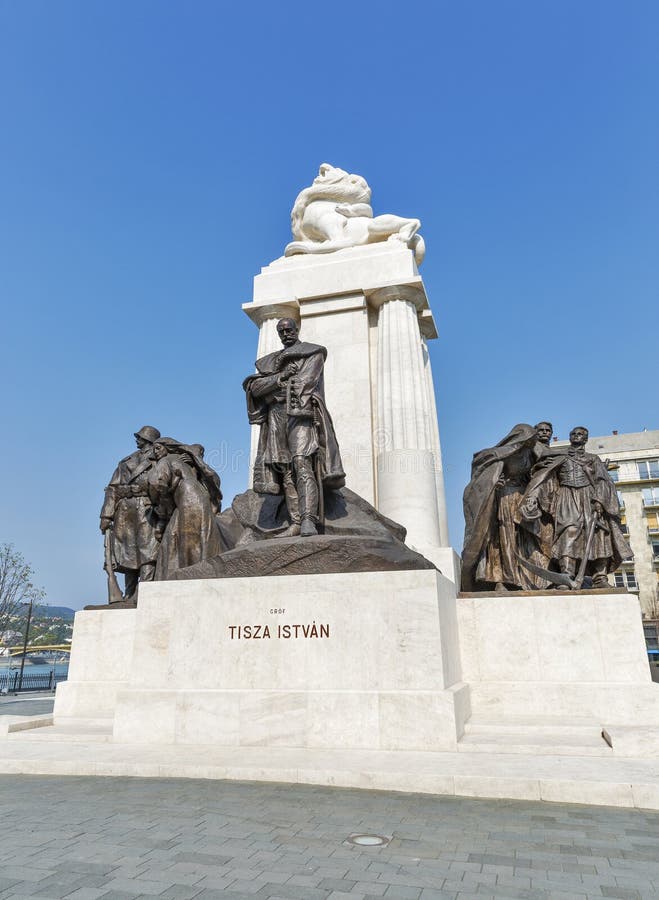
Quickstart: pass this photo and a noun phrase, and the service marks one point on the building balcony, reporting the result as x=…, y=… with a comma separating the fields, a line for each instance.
x=633, y=479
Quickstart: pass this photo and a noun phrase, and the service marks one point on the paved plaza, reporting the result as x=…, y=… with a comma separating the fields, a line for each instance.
x=84, y=838
x=28, y=704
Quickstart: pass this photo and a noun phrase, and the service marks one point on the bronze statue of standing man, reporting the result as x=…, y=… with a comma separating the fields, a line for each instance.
x=298, y=453
x=129, y=521
x=576, y=490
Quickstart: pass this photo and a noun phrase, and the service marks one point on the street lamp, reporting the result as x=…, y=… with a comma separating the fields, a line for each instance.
x=27, y=631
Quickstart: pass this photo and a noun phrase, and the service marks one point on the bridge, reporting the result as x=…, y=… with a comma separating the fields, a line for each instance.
x=38, y=648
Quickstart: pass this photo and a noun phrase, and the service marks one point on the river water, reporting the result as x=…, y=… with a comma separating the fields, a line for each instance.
x=36, y=675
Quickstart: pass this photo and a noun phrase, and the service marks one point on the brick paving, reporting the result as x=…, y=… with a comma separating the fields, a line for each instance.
x=121, y=838
x=27, y=704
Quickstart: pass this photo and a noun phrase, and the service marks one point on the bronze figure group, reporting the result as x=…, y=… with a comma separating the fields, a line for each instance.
x=540, y=516
x=537, y=515
x=162, y=506
x=159, y=512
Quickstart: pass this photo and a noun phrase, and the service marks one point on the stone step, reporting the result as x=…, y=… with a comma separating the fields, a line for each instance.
x=634, y=740
x=71, y=730
x=74, y=722
x=560, y=742
x=527, y=725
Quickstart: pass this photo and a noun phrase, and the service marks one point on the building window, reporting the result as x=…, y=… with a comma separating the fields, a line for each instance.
x=651, y=636
x=614, y=474
x=655, y=549
x=650, y=496
x=623, y=525
x=653, y=522
x=621, y=499
x=626, y=580
x=647, y=469
x=651, y=633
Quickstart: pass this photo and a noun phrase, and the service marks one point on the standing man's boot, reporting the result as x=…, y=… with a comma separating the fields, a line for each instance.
x=599, y=574
x=308, y=528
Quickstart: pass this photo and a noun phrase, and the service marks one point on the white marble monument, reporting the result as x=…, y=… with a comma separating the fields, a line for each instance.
x=351, y=282
x=377, y=679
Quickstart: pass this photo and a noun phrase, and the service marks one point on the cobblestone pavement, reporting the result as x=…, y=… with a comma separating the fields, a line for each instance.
x=120, y=838
x=26, y=704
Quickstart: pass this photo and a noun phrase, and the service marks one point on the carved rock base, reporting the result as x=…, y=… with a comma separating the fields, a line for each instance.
x=321, y=554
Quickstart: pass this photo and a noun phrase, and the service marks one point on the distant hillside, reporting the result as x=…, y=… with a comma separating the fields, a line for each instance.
x=62, y=612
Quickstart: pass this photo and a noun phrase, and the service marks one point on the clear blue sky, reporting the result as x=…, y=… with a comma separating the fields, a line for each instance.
x=149, y=156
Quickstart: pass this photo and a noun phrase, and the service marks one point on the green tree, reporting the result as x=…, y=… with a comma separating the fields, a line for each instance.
x=16, y=586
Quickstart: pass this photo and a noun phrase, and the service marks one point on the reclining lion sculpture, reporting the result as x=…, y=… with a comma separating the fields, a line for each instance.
x=335, y=213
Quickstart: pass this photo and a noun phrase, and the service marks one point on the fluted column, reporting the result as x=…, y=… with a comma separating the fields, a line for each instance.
x=268, y=337
x=436, y=447
x=406, y=434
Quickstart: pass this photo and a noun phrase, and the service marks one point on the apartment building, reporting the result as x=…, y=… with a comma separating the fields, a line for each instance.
x=634, y=466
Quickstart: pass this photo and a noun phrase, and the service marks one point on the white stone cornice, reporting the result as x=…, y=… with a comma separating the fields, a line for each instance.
x=412, y=291
x=275, y=309
x=427, y=325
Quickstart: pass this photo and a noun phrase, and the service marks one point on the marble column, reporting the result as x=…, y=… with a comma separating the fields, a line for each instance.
x=406, y=434
x=341, y=324
x=434, y=436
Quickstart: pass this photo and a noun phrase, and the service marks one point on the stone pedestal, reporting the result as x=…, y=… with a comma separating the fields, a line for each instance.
x=368, y=306
x=557, y=655
x=372, y=680
x=101, y=657
x=364, y=661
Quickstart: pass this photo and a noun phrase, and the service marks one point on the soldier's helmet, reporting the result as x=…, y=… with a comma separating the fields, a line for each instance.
x=148, y=433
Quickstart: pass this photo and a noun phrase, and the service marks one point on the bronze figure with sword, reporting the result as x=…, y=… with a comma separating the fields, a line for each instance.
x=575, y=489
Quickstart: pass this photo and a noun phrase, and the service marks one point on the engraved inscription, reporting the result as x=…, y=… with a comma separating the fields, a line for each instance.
x=283, y=632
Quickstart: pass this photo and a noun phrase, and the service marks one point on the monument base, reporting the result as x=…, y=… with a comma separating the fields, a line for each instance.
x=350, y=661
x=574, y=654
x=99, y=666
x=376, y=680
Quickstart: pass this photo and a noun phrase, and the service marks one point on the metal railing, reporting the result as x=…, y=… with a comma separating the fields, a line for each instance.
x=11, y=681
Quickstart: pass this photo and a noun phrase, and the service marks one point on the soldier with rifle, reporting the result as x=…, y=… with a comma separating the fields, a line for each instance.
x=129, y=521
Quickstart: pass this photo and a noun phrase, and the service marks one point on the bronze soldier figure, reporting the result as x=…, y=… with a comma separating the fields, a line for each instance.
x=128, y=519
x=298, y=453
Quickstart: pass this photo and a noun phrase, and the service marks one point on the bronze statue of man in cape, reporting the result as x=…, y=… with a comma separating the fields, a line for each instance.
x=576, y=490
x=298, y=453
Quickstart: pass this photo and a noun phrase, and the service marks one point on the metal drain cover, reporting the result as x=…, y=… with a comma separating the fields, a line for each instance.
x=368, y=840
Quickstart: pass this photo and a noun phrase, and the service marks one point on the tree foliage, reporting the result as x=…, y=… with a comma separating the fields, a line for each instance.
x=16, y=586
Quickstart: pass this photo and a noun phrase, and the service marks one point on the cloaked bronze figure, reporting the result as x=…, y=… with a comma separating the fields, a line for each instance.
x=492, y=499
x=298, y=453
x=186, y=496
x=128, y=520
